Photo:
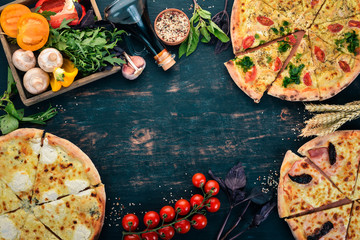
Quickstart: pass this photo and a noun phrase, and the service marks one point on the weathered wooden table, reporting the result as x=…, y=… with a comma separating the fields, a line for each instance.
x=147, y=137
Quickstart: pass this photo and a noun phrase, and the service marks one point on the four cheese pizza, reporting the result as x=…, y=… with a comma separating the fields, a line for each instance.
x=318, y=194
x=324, y=57
x=49, y=189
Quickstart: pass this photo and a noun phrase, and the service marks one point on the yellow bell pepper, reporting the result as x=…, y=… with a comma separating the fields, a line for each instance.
x=63, y=76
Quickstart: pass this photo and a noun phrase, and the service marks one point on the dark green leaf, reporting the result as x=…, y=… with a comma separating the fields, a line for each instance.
x=11, y=86
x=114, y=60
x=9, y=124
x=204, y=14
x=245, y=63
x=47, y=14
x=219, y=33
x=183, y=47
x=10, y=109
x=21, y=113
x=193, y=40
x=205, y=33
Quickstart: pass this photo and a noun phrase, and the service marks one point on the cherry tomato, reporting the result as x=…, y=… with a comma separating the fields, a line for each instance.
x=200, y=221
x=184, y=207
x=167, y=213
x=314, y=2
x=213, y=186
x=214, y=204
x=278, y=64
x=334, y=28
x=183, y=226
x=320, y=55
x=307, y=79
x=248, y=42
x=197, y=200
x=151, y=219
x=251, y=75
x=198, y=180
x=132, y=237
x=149, y=236
x=353, y=23
x=166, y=233
x=130, y=222
x=344, y=66
x=291, y=39
x=265, y=21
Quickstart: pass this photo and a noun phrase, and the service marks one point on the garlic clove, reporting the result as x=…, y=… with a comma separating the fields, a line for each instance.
x=134, y=68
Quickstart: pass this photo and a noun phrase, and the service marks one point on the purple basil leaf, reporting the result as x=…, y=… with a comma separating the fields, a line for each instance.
x=237, y=196
x=219, y=180
x=260, y=196
x=263, y=214
x=236, y=179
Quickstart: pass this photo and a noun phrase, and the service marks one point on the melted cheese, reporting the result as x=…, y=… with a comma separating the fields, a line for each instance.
x=48, y=154
x=75, y=186
x=49, y=196
x=8, y=229
x=36, y=145
x=81, y=233
x=21, y=182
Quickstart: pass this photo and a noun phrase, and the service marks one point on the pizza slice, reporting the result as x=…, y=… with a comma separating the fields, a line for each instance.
x=298, y=81
x=34, y=229
x=356, y=137
x=8, y=200
x=254, y=72
x=79, y=216
x=290, y=8
x=353, y=232
x=325, y=225
x=344, y=35
x=337, y=155
x=253, y=23
x=303, y=188
x=334, y=10
x=19, y=152
x=63, y=169
x=11, y=224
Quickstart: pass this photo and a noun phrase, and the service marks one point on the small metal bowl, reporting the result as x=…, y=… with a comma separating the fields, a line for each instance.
x=172, y=43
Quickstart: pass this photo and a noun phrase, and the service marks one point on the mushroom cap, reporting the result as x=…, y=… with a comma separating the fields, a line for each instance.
x=23, y=60
x=36, y=81
x=49, y=59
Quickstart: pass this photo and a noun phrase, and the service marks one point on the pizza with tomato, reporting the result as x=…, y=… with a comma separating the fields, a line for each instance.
x=323, y=39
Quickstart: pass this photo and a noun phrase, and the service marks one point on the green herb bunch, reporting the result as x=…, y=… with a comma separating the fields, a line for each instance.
x=295, y=73
x=245, y=63
x=89, y=49
x=352, y=41
x=10, y=121
x=202, y=26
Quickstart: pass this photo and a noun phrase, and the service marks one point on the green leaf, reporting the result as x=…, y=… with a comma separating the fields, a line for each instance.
x=205, y=33
x=64, y=23
x=195, y=17
x=114, y=60
x=10, y=109
x=193, y=40
x=11, y=85
x=47, y=14
x=21, y=113
x=218, y=32
x=9, y=124
x=183, y=47
x=204, y=14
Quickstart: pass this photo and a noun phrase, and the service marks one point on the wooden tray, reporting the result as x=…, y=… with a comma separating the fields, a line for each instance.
x=29, y=99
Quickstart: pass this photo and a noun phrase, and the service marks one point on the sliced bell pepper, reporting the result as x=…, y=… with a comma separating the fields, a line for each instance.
x=64, y=9
x=10, y=16
x=63, y=76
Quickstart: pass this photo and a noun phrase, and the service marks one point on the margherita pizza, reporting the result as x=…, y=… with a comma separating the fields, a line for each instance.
x=49, y=189
x=325, y=57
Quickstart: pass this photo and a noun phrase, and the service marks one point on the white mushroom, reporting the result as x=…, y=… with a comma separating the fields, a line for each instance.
x=36, y=81
x=49, y=59
x=24, y=60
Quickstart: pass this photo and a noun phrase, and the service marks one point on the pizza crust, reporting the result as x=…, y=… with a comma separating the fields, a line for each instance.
x=234, y=27
x=99, y=224
x=294, y=95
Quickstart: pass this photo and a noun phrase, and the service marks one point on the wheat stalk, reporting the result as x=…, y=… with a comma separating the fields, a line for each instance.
x=349, y=107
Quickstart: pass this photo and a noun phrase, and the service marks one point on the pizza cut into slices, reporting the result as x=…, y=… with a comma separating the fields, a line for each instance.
x=8, y=200
x=34, y=229
x=253, y=23
x=11, y=224
x=337, y=155
x=334, y=10
x=298, y=81
x=303, y=188
x=254, y=72
x=19, y=153
x=310, y=10
x=290, y=8
x=77, y=216
x=63, y=169
x=325, y=225
x=354, y=226
x=356, y=137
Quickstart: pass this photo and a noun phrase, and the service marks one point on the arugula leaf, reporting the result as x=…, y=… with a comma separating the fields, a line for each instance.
x=245, y=63
x=268, y=59
x=295, y=73
x=47, y=14
x=283, y=46
x=275, y=30
x=114, y=60
x=352, y=41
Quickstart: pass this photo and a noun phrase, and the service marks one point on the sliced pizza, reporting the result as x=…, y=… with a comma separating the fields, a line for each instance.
x=254, y=72
x=303, y=188
x=325, y=225
x=8, y=200
x=353, y=232
x=334, y=10
x=11, y=224
x=310, y=10
x=63, y=169
x=356, y=137
x=290, y=8
x=19, y=153
x=298, y=81
x=253, y=22
x=337, y=155
x=77, y=216
x=34, y=229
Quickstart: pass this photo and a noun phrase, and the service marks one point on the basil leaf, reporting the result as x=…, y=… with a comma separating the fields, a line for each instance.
x=195, y=18
x=205, y=33
x=193, y=41
x=183, y=47
x=219, y=33
x=204, y=14
x=9, y=124
x=10, y=109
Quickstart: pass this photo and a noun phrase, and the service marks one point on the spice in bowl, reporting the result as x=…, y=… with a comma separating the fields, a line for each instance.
x=172, y=26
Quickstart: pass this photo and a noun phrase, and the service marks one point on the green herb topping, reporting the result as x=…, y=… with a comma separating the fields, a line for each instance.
x=284, y=46
x=245, y=63
x=269, y=59
x=286, y=23
x=257, y=36
x=352, y=41
x=295, y=73
x=275, y=30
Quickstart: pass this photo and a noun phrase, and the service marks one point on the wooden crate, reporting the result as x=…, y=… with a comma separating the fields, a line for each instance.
x=29, y=99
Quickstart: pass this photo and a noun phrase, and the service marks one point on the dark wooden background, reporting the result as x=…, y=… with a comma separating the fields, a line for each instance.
x=147, y=137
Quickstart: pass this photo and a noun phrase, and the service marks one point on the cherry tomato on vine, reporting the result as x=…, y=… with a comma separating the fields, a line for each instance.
x=197, y=200
x=167, y=213
x=149, y=236
x=184, y=207
x=198, y=180
x=132, y=237
x=214, y=204
x=183, y=226
x=151, y=219
x=200, y=221
x=166, y=233
x=130, y=222
x=213, y=186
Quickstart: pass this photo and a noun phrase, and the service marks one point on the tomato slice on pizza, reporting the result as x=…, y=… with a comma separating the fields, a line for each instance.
x=334, y=10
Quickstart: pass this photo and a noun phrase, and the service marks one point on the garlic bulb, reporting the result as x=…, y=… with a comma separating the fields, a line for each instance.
x=23, y=60
x=49, y=59
x=36, y=81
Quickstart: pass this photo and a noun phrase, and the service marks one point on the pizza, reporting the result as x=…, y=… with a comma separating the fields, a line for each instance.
x=335, y=158
x=324, y=59
x=49, y=188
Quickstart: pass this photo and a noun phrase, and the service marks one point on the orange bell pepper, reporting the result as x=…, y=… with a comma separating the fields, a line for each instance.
x=10, y=16
x=33, y=31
